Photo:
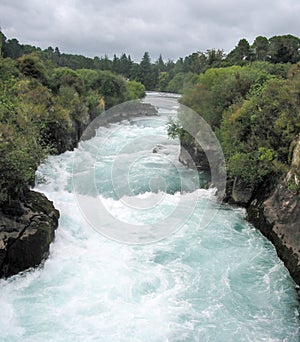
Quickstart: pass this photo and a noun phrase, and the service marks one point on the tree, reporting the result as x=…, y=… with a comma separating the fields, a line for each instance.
x=163, y=80
x=2, y=42
x=12, y=49
x=66, y=77
x=240, y=53
x=284, y=49
x=195, y=63
x=136, y=90
x=125, y=65
x=160, y=64
x=260, y=48
x=116, y=64
x=214, y=57
x=32, y=66
x=148, y=75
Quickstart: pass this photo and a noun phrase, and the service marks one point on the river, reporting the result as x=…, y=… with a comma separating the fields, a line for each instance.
x=143, y=254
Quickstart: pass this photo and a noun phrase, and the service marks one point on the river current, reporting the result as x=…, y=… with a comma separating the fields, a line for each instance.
x=210, y=277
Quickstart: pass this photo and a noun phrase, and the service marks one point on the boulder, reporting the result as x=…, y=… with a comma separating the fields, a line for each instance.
x=25, y=237
x=241, y=192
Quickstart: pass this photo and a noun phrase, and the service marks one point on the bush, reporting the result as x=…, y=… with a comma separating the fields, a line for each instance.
x=135, y=90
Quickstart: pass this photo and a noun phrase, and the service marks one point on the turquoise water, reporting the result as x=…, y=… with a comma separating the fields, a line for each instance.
x=213, y=277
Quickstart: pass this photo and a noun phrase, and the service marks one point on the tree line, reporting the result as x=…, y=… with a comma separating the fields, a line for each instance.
x=168, y=75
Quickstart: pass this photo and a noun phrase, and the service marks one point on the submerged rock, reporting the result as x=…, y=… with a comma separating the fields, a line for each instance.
x=25, y=237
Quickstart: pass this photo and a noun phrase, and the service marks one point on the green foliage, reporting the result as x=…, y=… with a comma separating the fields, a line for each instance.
x=220, y=88
x=147, y=73
x=175, y=130
x=284, y=49
x=278, y=49
x=249, y=167
x=112, y=88
x=260, y=48
x=135, y=90
x=255, y=114
x=163, y=80
x=65, y=77
x=181, y=81
x=240, y=53
x=31, y=66
x=176, y=83
x=20, y=151
x=292, y=186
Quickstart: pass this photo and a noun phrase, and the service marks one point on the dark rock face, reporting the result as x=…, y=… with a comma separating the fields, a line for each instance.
x=25, y=238
x=192, y=155
x=275, y=211
x=241, y=193
x=277, y=215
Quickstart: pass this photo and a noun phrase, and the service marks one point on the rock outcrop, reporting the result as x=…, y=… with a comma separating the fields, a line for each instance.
x=192, y=155
x=25, y=237
x=277, y=215
x=275, y=210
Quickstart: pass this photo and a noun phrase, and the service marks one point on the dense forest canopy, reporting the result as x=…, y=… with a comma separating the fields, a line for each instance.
x=251, y=98
x=168, y=75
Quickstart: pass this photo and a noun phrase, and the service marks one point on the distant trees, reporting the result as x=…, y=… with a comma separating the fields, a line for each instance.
x=278, y=49
x=147, y=73
x=167, y=75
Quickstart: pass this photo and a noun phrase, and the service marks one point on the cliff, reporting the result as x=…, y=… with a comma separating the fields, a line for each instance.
x=275, y=210
x=273, y=207
x=276, y=214
x=26, y=232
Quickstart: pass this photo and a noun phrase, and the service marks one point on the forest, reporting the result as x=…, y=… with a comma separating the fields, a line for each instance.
x=250, y=96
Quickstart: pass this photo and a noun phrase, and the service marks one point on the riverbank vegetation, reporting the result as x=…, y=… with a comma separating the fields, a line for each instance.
x=254, y=109
x=44, y=109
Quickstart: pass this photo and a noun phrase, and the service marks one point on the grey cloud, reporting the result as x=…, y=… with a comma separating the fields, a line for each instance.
x=173, y=28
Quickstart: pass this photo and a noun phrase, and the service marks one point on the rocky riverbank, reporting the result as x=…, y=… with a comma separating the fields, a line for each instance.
x=26, y=232
x=273, y=207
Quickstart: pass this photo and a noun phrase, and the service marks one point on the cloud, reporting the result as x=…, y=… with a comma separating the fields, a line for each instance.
x=173, y=28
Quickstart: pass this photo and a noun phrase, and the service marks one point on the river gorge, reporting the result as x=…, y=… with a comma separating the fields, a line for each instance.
x=145, y=252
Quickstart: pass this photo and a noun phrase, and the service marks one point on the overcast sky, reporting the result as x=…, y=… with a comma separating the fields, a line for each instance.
x=173, y=28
